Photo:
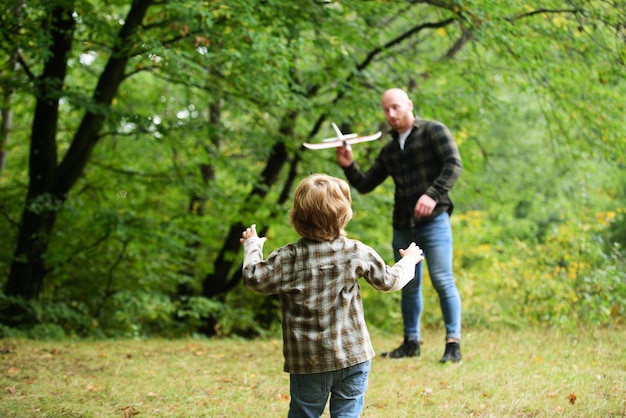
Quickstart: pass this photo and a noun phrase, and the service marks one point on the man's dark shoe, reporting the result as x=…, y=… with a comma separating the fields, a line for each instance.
x=452, y=353
x=409, y=348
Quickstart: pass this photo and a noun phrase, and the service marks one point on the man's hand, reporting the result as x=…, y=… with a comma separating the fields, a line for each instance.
x=344, y=156
x=424, y=206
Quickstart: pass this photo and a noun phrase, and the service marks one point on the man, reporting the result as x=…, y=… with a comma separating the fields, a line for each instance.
x=424, y=162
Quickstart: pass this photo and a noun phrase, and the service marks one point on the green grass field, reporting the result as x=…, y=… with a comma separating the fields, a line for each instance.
x=538, y=373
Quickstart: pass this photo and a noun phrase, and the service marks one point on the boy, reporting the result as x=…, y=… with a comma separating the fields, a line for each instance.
x=326, y=344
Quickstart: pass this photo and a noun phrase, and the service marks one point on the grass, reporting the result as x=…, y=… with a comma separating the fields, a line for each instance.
x=528, y=373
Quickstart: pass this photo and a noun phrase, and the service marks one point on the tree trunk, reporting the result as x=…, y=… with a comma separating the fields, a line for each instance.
x=50, y=184
x=42, y=200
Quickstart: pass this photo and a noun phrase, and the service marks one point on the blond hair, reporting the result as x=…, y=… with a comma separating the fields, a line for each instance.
x=321, y=207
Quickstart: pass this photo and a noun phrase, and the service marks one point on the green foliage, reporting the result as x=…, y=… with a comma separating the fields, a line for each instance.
x=615, y=234
x=532, y=92
x=601, y=295
x=560, y=277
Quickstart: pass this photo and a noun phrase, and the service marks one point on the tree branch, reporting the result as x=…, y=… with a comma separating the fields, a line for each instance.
x=540, y=11
x=430, y=25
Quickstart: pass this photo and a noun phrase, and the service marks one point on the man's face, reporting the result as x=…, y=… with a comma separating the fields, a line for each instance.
x=398, y=110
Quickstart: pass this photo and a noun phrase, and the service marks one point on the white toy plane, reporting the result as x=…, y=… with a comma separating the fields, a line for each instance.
x=342, y=140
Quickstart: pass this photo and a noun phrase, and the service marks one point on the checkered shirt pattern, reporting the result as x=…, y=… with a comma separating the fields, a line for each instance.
x=317, y=283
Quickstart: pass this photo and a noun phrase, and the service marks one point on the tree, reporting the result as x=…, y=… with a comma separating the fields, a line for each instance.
x=50, y=182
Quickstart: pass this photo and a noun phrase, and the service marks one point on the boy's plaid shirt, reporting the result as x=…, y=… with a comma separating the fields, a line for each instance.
x=317, y=283
x=430, y=164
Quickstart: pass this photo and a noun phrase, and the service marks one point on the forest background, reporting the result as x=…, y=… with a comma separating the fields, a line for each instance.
x=139, y=137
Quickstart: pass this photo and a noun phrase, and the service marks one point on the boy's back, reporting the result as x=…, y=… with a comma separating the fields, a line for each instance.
x=322, y=315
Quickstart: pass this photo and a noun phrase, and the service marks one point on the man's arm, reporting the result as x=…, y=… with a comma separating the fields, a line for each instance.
x=364, y=182
x=447, y=151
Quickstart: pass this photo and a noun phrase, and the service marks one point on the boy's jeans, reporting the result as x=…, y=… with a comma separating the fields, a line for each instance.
x=435, y=238
x=309, y=392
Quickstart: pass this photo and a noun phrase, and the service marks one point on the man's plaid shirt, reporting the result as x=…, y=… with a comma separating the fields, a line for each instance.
x=429, y=164
x=317, y=283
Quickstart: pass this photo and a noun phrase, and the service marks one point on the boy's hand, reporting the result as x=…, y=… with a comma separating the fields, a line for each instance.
x=249, y=233
x=413, y=251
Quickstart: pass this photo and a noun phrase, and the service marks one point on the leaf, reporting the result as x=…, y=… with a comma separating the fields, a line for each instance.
x=572, y=398
x=129, y=411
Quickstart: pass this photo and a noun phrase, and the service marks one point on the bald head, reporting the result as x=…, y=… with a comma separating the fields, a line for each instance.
x=398, y=109
x=395, y=94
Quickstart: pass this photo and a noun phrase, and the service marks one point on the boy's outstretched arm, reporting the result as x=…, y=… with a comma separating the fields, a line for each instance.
x=258, y=274
x=389, y=279
x=252, y=246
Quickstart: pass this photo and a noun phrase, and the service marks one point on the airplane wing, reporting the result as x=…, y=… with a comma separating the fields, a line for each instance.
x=343, y=142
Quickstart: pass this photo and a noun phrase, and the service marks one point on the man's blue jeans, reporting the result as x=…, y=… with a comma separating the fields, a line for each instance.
x=346, y=387
x=435, y=238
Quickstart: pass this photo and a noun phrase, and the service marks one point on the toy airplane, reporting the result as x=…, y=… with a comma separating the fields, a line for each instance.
x=342, y=140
